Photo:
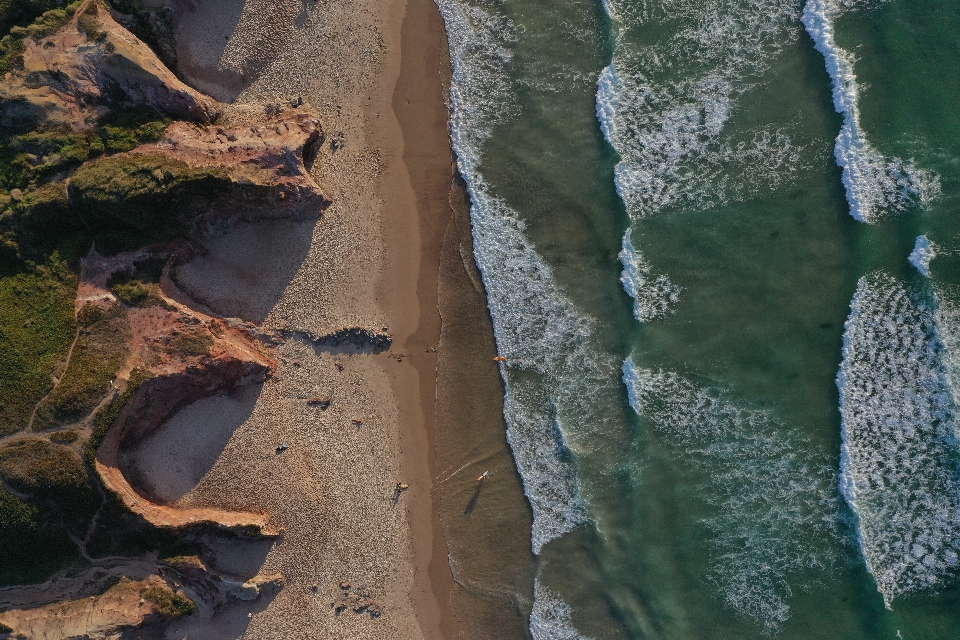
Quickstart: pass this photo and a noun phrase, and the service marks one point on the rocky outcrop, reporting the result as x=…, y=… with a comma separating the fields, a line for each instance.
x=70, y=79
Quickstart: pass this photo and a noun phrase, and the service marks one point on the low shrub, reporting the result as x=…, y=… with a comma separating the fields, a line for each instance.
x=64, y=437
x=97, y=356
x=193, y=344
x=167, y=603
x=109, y=414
x=36, y=329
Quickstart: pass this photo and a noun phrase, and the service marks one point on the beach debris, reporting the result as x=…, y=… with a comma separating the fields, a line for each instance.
x=500, y=359
x=338, y=365
x=402, y=487
x=483, y=476
x=358, y=599
x=283, y=447
x=357, y=422
x=319, y=401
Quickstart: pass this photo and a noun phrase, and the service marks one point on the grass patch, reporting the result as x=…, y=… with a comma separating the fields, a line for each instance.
x=167, y=603
x=138, y=294
x=36, y=329
x=125, y=129
x=189, y=344
x=109, y=414
x=89, y=25
x=119, y=202
x=32, y=544
x=139, y=288
x=15, y=13
x=64, y=437
x=51, y=473
x=98, y=354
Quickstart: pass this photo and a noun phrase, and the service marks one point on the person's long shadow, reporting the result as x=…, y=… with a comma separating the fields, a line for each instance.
x=473, y=500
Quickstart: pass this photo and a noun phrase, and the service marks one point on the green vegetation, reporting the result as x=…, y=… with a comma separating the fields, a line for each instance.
x=32, y=543
x=36, y=329
x=109, y=414
x=64, y=437
x=88, y=24
x=15, y=16
x=50, y=472
x=189, y=344
x=126, y=129
x=98, y=354
x=139, y=289
x=167, y=603
x=119, y=202
x=29, y=158
x=138, y=294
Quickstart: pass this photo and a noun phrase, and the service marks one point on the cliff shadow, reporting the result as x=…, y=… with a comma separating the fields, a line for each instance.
x=223, y=45
x=171, y=461
x=244, y=272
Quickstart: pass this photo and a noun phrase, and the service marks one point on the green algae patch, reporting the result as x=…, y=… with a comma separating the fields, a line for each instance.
x=36, y=329
x=97, y=356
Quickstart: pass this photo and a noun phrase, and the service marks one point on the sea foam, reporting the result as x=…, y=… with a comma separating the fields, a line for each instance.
x=664, y=107
x=899, y=453
x=875, y=185
x=553, y=372
x=550, y=618
x=774, y=504
x=923, y=253
x=654, y=296
x=556, y=376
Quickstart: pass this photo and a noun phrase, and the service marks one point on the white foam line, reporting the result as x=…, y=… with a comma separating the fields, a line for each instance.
x=550, y=618
x=875, y=185
x=775, y=506
x=536, y=327
x=923, y=253
x=654, y=296
x=899, y=453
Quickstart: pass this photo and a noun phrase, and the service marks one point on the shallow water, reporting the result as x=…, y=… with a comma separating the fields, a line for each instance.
x=730, y=387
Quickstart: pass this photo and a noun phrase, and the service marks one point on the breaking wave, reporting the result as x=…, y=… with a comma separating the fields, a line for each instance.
x=664, y=108
x=654, y=296
x=875, y=185
x=899, y=455
x=774, y=504
x=554, y=373
x=923, y=253
x=550, y=618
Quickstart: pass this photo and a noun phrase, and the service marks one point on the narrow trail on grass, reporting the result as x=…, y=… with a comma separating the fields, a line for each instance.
x=56, y=383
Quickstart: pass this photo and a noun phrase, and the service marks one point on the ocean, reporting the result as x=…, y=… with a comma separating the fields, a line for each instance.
x=721, y=257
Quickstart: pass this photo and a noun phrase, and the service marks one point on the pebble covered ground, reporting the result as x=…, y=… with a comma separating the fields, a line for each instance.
x=333, y=490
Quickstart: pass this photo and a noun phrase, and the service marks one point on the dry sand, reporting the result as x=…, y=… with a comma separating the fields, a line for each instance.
x=372, y=261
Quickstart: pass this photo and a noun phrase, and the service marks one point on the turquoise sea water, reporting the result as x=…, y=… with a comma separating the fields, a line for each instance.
x=722, y=256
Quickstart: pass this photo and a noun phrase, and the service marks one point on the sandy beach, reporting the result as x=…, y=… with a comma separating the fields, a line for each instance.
x=377, y=75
